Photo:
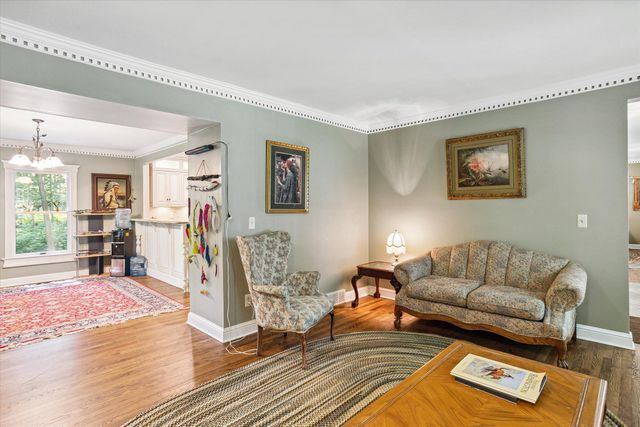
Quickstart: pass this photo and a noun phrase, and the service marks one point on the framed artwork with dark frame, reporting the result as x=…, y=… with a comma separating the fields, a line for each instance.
x=110, y=191
x=287, y=178
x=486, y=166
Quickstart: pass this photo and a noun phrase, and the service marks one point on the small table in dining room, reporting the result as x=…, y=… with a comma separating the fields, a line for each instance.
x=431, y=396
x=376, y=269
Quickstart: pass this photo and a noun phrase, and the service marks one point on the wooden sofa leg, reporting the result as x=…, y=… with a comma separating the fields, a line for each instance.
x=259, y=344
x=332, y=314
x=303, y=347
x=561, y=346
x=398, y=313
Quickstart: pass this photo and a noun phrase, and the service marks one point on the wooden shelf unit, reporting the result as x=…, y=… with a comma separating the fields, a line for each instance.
x=95, y=214
x=94, y=239
x=93, y=234
x=82, y=256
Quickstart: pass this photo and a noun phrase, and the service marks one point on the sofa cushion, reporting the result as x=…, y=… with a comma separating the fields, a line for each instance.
x=508, y=301
x=447, y=290
x=497, y=261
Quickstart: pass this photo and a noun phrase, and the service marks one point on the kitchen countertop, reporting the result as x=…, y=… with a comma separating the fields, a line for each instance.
x=161, y=221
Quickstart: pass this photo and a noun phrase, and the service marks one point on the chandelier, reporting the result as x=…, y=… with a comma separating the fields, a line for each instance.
x=39, y=160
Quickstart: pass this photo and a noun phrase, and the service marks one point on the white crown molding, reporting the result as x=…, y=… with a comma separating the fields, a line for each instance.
x=25, y=36
x=75, y=149
x=590, y=83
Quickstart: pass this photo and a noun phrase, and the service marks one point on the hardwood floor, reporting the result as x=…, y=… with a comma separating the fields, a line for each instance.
x=107, y=375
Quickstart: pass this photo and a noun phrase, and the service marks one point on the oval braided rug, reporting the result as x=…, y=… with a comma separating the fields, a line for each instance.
x=342, y=377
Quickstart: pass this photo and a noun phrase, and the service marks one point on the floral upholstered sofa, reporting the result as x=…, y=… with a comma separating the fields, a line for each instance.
x=526, y=296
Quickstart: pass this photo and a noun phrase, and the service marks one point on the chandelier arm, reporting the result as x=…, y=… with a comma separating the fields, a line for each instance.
x=51, y=152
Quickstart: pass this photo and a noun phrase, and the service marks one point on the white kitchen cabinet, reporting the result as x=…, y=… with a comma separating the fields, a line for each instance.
x=163, y=246
x=169, y=188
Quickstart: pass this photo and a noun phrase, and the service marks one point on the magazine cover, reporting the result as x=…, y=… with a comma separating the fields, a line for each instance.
x=503, y=378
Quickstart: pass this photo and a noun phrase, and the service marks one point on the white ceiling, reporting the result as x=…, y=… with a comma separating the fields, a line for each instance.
x=17, y=125
x=370, y=61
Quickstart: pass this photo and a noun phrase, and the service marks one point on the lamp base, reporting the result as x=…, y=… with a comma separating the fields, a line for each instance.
x=395, y=261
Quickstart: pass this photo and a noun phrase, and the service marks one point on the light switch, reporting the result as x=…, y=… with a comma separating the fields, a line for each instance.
x=582, y=221
x=252, y=223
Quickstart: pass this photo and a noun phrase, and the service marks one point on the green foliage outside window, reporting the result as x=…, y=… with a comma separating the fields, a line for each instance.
x=41, y=212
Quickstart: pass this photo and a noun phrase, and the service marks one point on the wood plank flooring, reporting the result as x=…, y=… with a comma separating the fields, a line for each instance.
x=107, y=375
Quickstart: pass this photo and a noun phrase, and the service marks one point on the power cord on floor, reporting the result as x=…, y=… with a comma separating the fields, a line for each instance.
x=230, y=347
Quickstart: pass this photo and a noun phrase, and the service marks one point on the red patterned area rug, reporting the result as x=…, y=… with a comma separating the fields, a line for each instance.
x=32, y=313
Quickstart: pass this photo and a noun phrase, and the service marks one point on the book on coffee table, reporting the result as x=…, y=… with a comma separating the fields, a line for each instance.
x=506, y=381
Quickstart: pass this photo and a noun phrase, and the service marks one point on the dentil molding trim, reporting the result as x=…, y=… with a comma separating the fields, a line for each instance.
x=75, y=149
x=25, y=36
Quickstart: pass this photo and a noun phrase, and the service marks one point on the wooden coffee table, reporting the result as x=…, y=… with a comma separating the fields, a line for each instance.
x=431, y=396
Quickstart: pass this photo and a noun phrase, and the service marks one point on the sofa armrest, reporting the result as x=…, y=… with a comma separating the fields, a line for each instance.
x=413, y=269
x=568, y=289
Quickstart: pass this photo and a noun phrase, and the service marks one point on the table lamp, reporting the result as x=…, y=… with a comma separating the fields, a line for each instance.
x=395, y=245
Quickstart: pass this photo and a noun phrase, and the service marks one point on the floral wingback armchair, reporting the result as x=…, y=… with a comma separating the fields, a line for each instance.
x=282, y=302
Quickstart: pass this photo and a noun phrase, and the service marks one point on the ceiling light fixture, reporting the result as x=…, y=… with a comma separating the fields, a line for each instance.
x=39, y=161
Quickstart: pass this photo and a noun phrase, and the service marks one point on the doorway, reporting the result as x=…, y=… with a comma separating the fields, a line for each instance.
x=633, y=123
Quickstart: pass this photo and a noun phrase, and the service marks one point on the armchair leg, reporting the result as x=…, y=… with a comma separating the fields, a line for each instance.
x=259, y=344
x=332, y=314
x=561, y=346
x=303, y=347
x=398, y=314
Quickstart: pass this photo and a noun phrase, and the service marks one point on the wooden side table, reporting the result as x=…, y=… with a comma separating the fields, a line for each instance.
x=376, y=269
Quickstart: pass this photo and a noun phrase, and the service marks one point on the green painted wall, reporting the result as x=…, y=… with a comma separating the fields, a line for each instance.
x=576, y=162
x=362, y=188
x=332, y=238
x=88, y=165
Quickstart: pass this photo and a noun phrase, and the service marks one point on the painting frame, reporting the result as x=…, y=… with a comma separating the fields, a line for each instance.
x=636, y=193
x=98, y=181
x=503, y=183
x=274, y=202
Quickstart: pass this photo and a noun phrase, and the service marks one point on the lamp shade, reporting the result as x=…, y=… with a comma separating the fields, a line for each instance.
x=54, y=161
x=395, y=244
x=20, y=160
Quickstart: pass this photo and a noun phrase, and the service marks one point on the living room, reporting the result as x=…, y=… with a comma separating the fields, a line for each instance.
x=404, y=178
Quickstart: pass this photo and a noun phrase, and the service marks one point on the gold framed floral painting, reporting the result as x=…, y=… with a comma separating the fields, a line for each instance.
x=636, y=193
x=486, y=166
x=287, y=178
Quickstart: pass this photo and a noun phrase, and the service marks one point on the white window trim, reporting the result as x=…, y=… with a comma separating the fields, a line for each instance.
x=13, y=260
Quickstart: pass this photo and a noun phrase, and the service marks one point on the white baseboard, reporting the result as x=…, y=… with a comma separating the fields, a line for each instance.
x=341, y=296
x=218, y=332
x=167, y=278
x=605, y=336
x=240, y=330
x=206, y=326
x=40, y=278
x=634, y=246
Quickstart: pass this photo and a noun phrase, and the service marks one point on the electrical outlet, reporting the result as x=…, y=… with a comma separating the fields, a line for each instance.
x=252, y=223
x=582, y=221
x=247, y=300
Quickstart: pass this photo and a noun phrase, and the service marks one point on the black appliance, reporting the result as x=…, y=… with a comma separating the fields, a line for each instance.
x=123, y=243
